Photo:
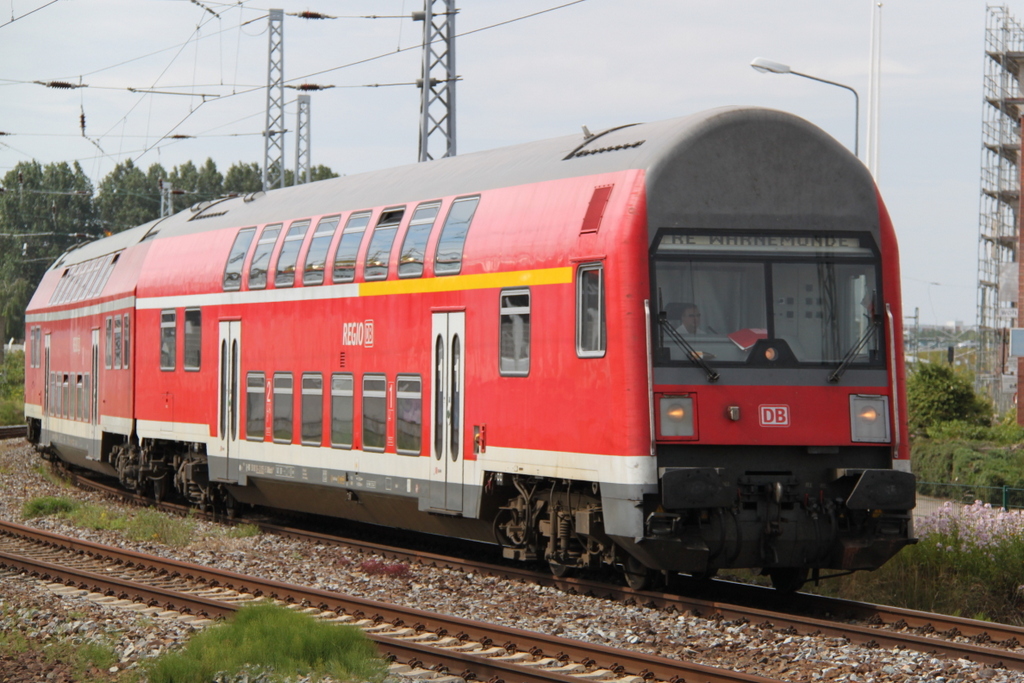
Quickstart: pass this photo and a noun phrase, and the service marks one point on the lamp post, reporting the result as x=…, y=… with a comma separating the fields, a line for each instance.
x=767, y=66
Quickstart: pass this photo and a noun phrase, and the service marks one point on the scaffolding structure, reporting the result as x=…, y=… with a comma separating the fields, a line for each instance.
x=274, y=130
x=1000, y=202
x=437, y=84
x=303, y=167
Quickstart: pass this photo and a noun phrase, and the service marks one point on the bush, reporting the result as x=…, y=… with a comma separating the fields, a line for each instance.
x=935, y=394
x=49, y=505
x=12, y=412
x=12, y=377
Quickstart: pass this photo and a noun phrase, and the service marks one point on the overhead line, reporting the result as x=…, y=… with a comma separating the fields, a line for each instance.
x=28, y=13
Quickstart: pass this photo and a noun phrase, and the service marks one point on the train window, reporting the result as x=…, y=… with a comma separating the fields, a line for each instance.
x=822, y=311
x=261, y=257
x=193, y=338
x=312, y=429
x=108, y=342
x=514, y=344
x=283, y=407
x=65, y=397
x=379, y=252
x=409, y=422
x=448, y=260
x=127, y=342
x=289, y=255
x=168, y=339
x=348, y=247
x=117, y=342
x=375, y=391
x=79, y=397
x=342, y=411
x=255, y=400
x=590, y=326
x=410, y=262
x=316, y=257
x=236, y=259
x=87, y=408
x=802, y=298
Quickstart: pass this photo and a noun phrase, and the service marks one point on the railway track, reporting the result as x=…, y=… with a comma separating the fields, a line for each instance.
x=997, y=645
x=13, y=432
x=425, y=639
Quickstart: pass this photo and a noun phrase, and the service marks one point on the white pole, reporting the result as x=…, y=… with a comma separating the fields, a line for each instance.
x=874, y=88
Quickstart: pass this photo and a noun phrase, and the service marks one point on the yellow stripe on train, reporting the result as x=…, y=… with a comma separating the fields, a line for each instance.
x=518, y=278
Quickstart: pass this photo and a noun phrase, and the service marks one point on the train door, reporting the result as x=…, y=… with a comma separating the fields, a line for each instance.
x=94, y=391
x=228, y=400
x=447, y=406
x=47, y=381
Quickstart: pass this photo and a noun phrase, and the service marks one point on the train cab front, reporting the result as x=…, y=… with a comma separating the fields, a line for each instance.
x=777, y=427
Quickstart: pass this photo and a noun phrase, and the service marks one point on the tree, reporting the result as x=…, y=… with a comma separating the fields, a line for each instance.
x=128, y=197
x=199, y=184
x=44, y=210
x=936, y=394
x=243, y=178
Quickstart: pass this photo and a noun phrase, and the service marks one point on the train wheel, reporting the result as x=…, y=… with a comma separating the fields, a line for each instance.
x=788, y=579
x=637, y=575
x=559, y=570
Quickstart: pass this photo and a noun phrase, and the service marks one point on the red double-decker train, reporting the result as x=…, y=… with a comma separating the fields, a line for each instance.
x=667, y=347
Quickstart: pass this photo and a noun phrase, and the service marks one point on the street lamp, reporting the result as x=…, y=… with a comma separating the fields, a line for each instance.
x=767, y=66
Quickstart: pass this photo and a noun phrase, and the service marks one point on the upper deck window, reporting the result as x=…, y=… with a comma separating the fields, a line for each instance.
x=379, y=252
x=448, y=260
x=773, y=299
x=348, y=247
x=261, y=258
x=289, y=255
x=410, y=263
x=316, y=257
x=236, y=258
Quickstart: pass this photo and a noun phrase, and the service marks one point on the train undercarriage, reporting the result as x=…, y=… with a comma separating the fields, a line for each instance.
x=787, y=523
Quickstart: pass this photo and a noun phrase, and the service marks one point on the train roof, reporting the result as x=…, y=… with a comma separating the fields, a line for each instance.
x=708, y=169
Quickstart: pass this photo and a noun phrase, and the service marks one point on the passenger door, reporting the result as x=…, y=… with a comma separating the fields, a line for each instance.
x=447, y=444
x=228, y=400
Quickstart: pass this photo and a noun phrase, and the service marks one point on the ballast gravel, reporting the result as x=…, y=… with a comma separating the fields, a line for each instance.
x=40, y=615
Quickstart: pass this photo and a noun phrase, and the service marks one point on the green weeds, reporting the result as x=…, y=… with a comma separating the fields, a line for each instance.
x=274, y=640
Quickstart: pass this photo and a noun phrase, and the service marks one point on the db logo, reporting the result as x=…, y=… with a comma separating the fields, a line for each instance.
x=774, y=416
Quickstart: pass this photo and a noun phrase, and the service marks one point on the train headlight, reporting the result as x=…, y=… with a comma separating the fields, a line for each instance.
x=676, y=414
x=869, y=418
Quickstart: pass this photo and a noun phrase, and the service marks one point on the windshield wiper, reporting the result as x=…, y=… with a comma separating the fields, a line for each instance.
x=837, y=374
x=691, y=353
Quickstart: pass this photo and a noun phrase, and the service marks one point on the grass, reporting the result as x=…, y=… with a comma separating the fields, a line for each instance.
x=272, y=640
x=146, y=524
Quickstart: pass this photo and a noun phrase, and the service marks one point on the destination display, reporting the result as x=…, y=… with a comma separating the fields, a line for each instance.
x=804, y=244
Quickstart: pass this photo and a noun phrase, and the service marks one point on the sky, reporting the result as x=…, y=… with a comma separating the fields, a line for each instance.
x=598, y=63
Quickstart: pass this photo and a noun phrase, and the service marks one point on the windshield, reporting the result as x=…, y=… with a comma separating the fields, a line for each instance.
x=819, y=305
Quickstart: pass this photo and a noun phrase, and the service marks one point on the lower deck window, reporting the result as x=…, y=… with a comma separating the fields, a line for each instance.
x=410, y=414
x=312, y=409
x=283, y=408
x=374, y=412
x=341, y=410
x=255, y=417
